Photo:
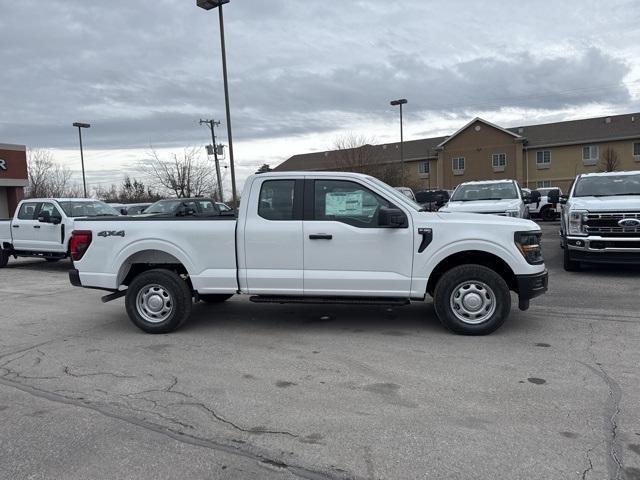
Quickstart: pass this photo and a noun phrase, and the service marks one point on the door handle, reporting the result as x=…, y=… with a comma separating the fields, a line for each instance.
x=36, y=226
x=320, y=236
x=16, y=226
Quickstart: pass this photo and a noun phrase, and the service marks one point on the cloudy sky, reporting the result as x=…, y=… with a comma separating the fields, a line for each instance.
x=301, y=72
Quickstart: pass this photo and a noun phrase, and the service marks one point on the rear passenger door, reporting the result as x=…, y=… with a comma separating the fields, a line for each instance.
x=25, y=227
x=272, y=233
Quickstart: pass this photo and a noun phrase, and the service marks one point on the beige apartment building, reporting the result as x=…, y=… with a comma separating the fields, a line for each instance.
x=543, y=155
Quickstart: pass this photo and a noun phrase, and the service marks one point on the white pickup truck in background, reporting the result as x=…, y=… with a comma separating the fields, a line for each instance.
x=600, y=221
x=495, y=197
x=544, y=208
x=320, y=237
x=41, y=227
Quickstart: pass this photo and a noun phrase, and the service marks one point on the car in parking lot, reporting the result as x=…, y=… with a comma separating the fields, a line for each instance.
x=314, y=237
x=186, y=207
x=600, y=220
x=496, y=197
x=41, y=227
x=432, y=200
x=543, y=209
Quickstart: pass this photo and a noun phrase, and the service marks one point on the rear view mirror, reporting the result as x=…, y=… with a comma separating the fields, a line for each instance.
x=392, y=217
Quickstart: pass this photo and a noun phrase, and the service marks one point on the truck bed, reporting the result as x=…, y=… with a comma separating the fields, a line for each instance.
x=206, y=246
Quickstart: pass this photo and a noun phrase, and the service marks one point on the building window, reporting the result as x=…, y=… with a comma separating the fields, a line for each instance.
x=590, y=154
x=458, y=165
x=636, y=151
x=423, y=168
x=543, y=159
x=499, y=162
x=543, y=183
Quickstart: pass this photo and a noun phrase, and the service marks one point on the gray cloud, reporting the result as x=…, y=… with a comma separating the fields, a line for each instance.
x=143, y=73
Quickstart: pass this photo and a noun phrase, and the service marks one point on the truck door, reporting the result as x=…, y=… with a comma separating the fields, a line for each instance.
x=272, y=233
x=49, y=235
x=25, y=227
x=346, y=252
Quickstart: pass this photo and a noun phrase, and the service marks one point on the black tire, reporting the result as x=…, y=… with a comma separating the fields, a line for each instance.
x=491, y=283
x=569, y=264
x=215, y=298
x=166, y=287
x=548, y=214
x=4, y=258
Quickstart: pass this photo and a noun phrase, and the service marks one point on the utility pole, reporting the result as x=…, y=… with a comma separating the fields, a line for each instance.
x=212, y=124
x=80, y=126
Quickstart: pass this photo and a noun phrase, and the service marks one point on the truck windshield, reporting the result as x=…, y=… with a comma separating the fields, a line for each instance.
x=485, y=191
x=95, y=208
x=608, y=185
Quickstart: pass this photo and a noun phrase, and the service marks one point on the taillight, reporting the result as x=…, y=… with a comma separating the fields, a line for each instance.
x=79, y=242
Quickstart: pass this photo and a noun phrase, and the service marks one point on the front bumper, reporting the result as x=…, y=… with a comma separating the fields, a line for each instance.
x=74, y=277
x=596, y=249
x=531, y=286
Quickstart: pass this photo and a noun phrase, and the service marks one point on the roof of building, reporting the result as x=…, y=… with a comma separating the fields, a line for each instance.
x=585, y=130
x=571, y=132
x=478, y=119
x=385, y=153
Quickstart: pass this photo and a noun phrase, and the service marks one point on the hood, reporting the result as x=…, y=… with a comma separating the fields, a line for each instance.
x=513, y=223
x=482, y=206
x=607, y=204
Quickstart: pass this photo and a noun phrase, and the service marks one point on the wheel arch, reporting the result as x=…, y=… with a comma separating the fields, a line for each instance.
x=477, y=257
x=150, y=259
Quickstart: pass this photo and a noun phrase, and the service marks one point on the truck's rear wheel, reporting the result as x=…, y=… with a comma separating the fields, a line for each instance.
x=158, y=301
x=472, y=300
x=569, y=264
x=4, y=258
x=215, y=297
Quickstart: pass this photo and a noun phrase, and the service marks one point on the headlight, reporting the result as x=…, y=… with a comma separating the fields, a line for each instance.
x=529, y=245
x=512, y=213
x=577, y=218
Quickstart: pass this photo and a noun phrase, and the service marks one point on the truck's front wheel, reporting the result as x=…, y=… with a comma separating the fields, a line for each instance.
x=472, y=300
x=4, y=258
x=158, y=301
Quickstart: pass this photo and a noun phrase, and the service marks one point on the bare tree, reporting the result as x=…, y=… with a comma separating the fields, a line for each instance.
x=610, y=160
x=47, y=178
x=264, y=168
x=130, y=191
x=183, y=175
x=354, y=153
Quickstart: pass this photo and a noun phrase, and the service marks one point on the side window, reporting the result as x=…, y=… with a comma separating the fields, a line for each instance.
x=207, y=208
x=27, y=211
x=276, y=200
x=51, y=209
x=347, y=202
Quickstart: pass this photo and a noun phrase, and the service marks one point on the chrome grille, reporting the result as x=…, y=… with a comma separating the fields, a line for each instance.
x=606, y=224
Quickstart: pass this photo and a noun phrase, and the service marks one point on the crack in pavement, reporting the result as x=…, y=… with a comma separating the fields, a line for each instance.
x=590, y=467
x=243, y=450
x=615, y=461
x=94, y=374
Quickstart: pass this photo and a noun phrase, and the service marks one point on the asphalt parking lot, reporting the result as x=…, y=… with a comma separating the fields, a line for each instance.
x=283, y=391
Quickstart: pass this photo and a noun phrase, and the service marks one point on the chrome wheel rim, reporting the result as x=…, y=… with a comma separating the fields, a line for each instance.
x=154, y=303
x=473, y=302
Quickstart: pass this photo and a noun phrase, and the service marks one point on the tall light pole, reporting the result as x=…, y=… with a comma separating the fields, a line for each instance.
x=401, y=101
x=80, y=127
x=208, y=5
x=212, y=123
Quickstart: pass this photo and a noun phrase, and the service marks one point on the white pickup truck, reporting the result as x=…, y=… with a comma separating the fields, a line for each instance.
x=320, y=237
x=600, y=220
x=496, y=197
x=41, y=227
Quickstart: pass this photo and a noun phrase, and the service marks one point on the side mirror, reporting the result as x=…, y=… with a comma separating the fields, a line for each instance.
x=533, y=197
x=392, y=217
x=44, y=217
x=554, y=196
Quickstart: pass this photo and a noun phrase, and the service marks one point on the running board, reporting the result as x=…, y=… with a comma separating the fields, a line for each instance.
x=386, y=301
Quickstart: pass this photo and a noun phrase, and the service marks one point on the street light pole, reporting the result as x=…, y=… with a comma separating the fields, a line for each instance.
x=80, y=127
x=208, y=5
x=212, y=123
x=394, y=103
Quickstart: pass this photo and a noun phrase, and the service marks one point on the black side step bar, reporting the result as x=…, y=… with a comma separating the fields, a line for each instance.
x=386, y=301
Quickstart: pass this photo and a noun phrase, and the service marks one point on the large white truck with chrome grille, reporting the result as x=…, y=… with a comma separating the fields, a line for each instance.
x=314, y=237
x=600, y=221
